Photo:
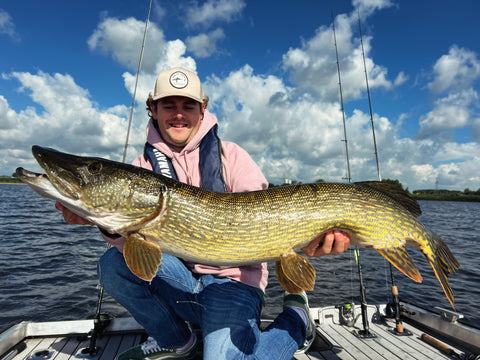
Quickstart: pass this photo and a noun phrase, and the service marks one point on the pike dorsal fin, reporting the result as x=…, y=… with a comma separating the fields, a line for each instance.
x=395, y=192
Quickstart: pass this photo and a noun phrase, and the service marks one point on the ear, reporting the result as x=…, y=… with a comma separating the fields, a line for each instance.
x=153, y=109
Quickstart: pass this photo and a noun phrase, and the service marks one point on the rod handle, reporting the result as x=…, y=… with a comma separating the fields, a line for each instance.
x=438, y=345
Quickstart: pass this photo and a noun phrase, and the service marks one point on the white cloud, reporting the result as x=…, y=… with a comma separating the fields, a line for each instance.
x=300, y=137
x=425, y=173
x=212, y=11
x=123, y=40
x=158, y=11
x=64, y=118
x=8, y=119
x=293, y=133
x=295, y=137
x=453, y=152
x=400, y=79
x=293, y=129
x=7, y=26
x=443, y=117
x=368, y=7
x=451, y=174
x=476, y=129
x=455, y=71
x=313, y=66
x=204, y=45
x=455, y=74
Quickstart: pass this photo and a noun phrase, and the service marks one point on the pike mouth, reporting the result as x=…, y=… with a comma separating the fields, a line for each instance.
x=27, y=175
x=43, y=185
x=40, y=183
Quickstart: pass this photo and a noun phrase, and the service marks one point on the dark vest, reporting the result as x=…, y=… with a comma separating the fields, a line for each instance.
x=210, y=162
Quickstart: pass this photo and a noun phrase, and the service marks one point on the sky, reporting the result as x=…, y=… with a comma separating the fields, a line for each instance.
x=68, y=73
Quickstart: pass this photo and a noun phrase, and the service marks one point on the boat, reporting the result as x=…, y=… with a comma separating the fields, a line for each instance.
x=428, y=334
x=435, y=333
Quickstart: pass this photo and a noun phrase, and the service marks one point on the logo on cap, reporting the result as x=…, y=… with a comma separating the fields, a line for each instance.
x=178, y=80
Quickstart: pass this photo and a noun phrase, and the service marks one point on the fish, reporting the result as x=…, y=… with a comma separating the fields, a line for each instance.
x=157, y=214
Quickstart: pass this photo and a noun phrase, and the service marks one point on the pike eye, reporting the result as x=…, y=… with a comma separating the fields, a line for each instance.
x=94, y=167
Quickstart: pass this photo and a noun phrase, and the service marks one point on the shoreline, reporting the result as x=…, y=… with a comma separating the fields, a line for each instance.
x=13, y=182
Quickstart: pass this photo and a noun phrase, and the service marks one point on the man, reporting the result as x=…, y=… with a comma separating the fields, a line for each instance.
x=224, y=302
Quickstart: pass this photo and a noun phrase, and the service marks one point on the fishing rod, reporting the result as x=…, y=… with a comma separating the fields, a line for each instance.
x=136, y=83
x=102, y=320
x=365, y=333
x=369, y=99
x=399, y=330
x=349, y=178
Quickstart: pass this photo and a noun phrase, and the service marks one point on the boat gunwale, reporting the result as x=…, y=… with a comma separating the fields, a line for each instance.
x=453, y=330
x=65, y=328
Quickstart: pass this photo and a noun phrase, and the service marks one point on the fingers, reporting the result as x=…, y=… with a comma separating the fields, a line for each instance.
x=312, y=247
x=70, y=217
x=59, y=206
x=341, y=242
x=333, y=242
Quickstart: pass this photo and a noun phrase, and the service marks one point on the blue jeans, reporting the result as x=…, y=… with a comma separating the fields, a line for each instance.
x=226, y=311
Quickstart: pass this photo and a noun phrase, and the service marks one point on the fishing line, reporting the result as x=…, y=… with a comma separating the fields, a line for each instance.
x=136, y=83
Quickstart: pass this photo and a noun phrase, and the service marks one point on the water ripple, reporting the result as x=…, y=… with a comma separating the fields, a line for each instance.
x=48, y=268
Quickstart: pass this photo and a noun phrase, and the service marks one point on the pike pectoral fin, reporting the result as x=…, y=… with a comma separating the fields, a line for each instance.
x=142, y=257
x=400, y=258
x=295, y=273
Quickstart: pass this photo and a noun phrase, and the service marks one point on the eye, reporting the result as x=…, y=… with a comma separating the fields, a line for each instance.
x=94, y=167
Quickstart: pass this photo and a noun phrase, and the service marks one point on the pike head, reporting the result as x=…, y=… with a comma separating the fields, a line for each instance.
x=115, y=196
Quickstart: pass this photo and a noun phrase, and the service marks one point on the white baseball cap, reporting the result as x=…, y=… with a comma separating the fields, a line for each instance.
x=178, y=82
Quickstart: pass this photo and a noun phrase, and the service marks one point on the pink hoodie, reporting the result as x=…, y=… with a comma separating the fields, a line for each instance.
x=240, y=173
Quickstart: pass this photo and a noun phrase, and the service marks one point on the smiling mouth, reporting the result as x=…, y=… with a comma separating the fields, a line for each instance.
x=178, y=126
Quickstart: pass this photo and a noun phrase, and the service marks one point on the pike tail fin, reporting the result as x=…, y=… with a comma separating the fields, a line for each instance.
x=442, y=262
x=295, y=273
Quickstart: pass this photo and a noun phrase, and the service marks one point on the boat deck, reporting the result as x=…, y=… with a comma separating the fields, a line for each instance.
x=336, y=341
x=68, y=339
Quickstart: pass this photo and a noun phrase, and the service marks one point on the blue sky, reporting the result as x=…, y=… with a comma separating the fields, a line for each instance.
x=67, y=72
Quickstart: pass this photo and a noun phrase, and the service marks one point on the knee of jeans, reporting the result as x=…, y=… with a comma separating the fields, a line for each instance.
x=110, y=267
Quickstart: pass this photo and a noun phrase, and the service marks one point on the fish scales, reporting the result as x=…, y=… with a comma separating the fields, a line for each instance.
x=158, y=214
x=245, y=228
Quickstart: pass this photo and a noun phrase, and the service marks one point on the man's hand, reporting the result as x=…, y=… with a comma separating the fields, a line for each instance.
x=332, y=242
x=71, y=217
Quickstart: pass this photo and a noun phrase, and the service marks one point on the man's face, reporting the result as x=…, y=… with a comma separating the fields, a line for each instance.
x=178, y=120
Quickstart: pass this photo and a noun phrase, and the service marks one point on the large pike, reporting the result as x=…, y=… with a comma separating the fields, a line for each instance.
x=158, y=214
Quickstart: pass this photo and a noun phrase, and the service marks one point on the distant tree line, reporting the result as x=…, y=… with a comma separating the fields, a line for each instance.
x=447, y=195
x=10, y=179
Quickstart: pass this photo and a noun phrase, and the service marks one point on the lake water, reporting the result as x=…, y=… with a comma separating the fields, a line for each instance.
x=48, y=268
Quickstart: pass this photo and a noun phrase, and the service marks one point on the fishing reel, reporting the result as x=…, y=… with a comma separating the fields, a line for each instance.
x=472, y=357
x=347, y=314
